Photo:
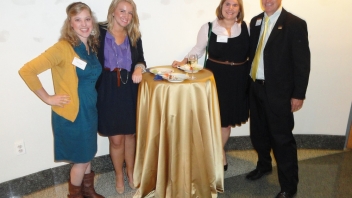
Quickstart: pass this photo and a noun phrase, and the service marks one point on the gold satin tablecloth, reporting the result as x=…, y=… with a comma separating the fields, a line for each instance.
x=179, y=149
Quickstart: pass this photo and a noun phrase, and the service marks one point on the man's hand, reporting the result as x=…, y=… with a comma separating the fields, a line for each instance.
x=296, y=104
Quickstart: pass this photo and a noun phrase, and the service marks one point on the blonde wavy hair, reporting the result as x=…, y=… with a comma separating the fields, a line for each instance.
x=132, y=28
x=67, y=32
x=240, y=15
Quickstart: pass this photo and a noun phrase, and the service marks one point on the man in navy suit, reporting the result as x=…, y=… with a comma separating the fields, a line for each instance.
x=280, y=72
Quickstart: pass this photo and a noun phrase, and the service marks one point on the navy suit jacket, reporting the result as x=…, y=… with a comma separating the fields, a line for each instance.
x=286, y=58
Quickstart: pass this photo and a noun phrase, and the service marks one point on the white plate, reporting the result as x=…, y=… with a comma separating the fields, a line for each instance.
x=176, y=77
x=161, y=71
x=186, y=68
x=175, y=80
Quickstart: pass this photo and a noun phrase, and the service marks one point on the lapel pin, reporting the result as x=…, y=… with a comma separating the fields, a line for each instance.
x=280, y=27
x=258, y=22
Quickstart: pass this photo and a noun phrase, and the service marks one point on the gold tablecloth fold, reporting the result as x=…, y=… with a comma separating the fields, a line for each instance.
x=179, y=149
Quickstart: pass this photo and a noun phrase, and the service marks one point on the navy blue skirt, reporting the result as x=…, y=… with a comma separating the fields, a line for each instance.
x=117, y=104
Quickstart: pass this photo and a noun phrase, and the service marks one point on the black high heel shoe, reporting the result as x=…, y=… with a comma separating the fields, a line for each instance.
x=225, y=166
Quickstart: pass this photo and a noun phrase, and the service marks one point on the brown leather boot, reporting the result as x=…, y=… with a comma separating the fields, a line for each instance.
x=75, y=191
x=88, y=186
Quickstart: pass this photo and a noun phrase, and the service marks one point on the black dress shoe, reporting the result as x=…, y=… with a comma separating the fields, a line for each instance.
x=256, y=174
x=284, y=195
x=225, y=167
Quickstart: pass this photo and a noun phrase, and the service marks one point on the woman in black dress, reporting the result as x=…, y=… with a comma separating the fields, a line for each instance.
x=228, y=51
x=121, y=55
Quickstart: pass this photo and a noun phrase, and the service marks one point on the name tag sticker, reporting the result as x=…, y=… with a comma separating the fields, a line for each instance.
x=79, y=63
x=221, y=39
x=259, y=22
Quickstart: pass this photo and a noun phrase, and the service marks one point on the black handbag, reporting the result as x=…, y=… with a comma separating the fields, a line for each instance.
x=206, y=51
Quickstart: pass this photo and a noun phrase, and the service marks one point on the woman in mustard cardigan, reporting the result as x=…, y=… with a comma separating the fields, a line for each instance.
x=75, y=70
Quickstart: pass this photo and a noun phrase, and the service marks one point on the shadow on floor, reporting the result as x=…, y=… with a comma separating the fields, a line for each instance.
x=326, y=176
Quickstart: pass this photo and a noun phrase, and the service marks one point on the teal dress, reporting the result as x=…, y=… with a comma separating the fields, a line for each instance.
x=76, y=142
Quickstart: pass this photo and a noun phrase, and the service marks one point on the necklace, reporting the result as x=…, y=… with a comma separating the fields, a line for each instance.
x=121, y=77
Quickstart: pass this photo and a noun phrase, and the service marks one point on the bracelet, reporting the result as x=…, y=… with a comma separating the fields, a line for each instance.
x=142, y=67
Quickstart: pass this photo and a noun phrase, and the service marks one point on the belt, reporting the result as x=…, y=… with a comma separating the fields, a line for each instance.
x=108, y=69
x=227, y=62
x=117, y=70
x=262, y=82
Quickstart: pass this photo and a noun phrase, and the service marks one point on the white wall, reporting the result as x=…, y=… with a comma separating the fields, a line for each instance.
x=169, y=29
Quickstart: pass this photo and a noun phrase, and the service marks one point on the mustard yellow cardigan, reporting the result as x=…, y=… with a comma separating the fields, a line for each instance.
x=59, y=59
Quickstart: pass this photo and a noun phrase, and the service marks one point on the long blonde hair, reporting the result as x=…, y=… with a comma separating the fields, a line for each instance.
x=67, y=32
x=132, y=28
x=240, y=15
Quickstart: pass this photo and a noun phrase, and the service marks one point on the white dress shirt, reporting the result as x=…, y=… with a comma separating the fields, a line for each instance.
x=202, y=38
x=272, y=20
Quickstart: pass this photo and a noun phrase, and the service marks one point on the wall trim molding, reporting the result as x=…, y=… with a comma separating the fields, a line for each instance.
x=348, y=143
x=102, y=164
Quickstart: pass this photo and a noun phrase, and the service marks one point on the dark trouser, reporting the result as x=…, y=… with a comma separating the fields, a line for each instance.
x=272, y=131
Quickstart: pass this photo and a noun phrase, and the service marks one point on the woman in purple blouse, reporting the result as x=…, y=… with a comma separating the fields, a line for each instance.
x=121, y=55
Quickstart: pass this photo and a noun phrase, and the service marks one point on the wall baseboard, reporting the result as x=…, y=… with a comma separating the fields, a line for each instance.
x=329, y=142
x=102, y=164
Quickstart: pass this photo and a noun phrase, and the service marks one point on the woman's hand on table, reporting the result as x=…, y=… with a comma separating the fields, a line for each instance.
x=177, y=63
x=137, y=75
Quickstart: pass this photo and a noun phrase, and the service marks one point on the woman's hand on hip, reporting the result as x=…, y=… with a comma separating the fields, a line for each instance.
x=52, y=100
x=58, y=100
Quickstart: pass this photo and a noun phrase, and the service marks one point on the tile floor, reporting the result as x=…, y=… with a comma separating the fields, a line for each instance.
x=322, y=173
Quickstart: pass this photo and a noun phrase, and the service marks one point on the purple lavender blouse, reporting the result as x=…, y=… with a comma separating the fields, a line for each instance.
x=117, y=56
